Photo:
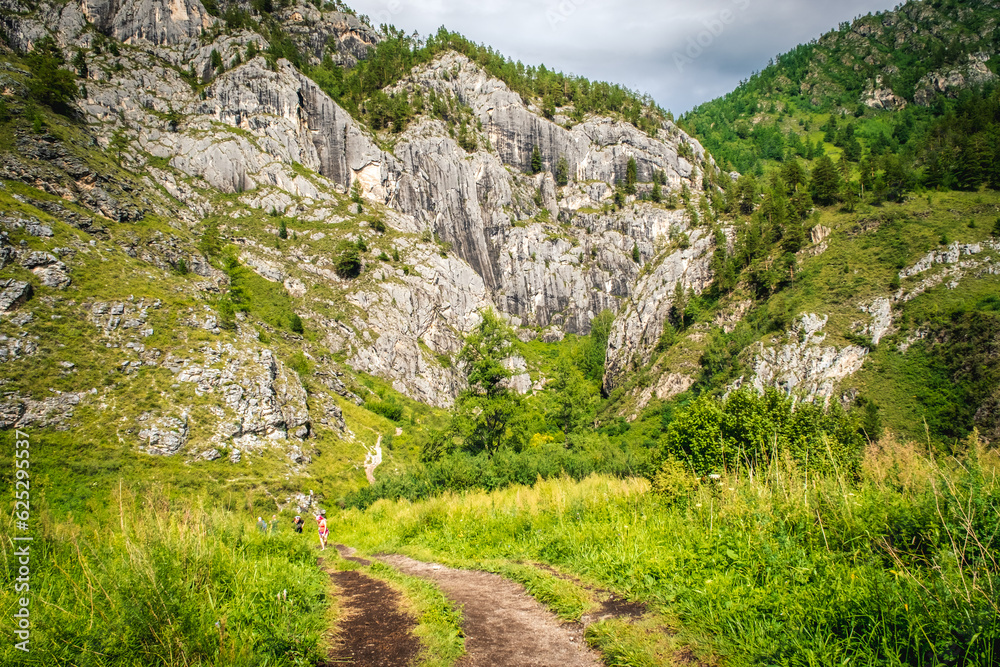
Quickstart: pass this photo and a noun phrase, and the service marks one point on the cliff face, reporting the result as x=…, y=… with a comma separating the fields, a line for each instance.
x=251, y=125
x=448, y=231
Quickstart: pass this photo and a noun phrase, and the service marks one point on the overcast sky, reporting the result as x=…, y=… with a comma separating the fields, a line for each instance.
x=682, y=52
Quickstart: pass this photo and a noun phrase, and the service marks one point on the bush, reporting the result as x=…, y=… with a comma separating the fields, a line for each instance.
x=749, y=430
x=295, y=324
x=390, y=409
x=347, y=260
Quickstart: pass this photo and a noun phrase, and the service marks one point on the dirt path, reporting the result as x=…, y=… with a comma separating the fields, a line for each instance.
x=504, y=626
x=373, y=631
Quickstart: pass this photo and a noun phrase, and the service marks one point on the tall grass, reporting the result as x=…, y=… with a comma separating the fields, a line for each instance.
x=898, y=567
x=155, y=584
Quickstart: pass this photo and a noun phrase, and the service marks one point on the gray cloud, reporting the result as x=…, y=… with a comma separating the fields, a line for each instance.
x=681, y=52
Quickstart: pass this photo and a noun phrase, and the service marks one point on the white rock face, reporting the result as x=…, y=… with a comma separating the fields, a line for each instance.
x=803, y=367
x=881, y=325
x=166, y=436
x=417, y=321
x=265, y=399
x=952, y=255
x=640, y=325
x=549, y=257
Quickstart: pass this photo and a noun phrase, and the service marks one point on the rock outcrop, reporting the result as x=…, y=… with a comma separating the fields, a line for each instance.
x=804, y=367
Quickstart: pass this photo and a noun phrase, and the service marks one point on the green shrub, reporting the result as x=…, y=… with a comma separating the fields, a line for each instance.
x=390, y=409
x=347, y=260
x=50, y=84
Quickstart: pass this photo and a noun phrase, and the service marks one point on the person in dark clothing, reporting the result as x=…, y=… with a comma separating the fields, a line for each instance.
x=298, y=523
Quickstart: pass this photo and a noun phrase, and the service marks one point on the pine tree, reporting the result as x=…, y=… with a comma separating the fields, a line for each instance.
x=631, y=176
x=562, y=171
x=80, y=64
x=282, y=229
x=825, y=182
x=657, y=194
x=536, y=160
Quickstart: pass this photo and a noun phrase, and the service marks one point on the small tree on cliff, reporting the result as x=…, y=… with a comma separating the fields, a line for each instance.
x=536, y=160
x=489, y=414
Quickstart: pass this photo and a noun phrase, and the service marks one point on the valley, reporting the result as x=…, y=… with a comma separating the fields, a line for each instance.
x=716, y=389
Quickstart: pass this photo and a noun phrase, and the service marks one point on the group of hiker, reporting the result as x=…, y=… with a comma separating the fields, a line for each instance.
x=297, y=524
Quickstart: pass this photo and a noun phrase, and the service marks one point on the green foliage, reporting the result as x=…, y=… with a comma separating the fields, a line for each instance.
x=948, y=144
x=360, y=88
x=300, y=363
x=636, y=257
x=573, y=403
x=536, y=160
x=460, y=471
x=631, y=175
x=595, y=348
x=825, y=183
x=118, y=144
x=50, y=84
x=80, y=64
x=250, y=293
x=489, y=414
x=178, y=584
x=282, y=229
x=390, y=409
x=898, y=566
x=295, y=324
x=750, y=431
x=562, y=171
x=347, y=260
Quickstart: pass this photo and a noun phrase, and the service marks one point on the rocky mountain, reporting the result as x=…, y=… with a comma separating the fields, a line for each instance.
x=212, y=232
x=187, y=127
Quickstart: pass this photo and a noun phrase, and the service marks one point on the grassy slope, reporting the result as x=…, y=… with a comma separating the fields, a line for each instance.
x=773, y=569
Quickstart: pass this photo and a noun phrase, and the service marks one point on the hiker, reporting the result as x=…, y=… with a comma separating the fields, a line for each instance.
x=261, y=524
x=297, y=524
x=274, y=524
x=323, y=532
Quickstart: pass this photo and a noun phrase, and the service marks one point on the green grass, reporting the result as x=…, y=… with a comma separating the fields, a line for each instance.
x=782, y=568
x=156, y=581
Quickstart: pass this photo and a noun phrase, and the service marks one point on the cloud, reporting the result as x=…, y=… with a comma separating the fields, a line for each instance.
x=681, y=53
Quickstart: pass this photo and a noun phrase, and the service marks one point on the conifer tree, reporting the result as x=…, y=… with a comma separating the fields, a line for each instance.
x=536, y=160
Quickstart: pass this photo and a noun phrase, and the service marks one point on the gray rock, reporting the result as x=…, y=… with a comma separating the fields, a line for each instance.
x=165, y=436
x=804, y=367
x=14, y=294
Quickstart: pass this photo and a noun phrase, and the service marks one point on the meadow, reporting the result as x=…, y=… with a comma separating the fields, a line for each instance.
x=894, y=566
x=153, y=581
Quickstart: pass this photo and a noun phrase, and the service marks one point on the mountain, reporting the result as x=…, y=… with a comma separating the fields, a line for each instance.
x=306, y=216
x=193, y=220
x=265, y=259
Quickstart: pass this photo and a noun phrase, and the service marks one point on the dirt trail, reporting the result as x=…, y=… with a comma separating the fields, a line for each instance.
x=504, y=626
x=373, y=631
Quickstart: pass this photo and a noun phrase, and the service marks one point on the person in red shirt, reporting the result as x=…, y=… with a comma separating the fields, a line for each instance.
x=323, y=532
